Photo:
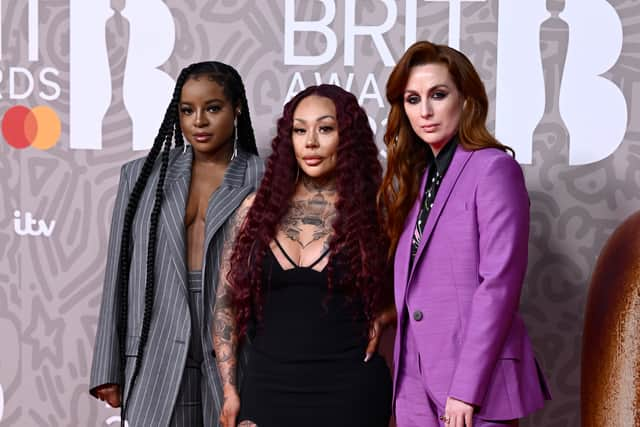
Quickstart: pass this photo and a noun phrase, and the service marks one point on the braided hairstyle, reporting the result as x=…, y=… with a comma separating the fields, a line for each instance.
x=231, y=82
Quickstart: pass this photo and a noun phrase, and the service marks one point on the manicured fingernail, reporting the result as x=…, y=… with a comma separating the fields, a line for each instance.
x=367, y=357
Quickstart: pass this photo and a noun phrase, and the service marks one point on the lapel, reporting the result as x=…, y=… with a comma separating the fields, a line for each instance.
x=459, y=161
x=176, y=190
x=226, y=199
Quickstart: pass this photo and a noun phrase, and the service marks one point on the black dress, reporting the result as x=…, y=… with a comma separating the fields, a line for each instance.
x=306, y=363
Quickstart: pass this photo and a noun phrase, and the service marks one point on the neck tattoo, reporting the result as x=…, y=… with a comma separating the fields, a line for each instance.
x=319, y=185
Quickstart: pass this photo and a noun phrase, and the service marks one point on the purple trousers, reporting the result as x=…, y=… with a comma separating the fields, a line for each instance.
x=413, y=406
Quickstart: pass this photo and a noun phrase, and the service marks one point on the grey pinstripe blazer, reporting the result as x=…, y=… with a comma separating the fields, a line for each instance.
x=156, y=389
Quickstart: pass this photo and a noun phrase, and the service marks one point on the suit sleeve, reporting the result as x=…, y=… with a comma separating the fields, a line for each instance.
x=105, y=368
x=502, y=207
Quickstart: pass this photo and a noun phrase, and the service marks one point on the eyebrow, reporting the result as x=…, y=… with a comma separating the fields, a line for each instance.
x=209, y=101
x=441, y=85
x=328, y=116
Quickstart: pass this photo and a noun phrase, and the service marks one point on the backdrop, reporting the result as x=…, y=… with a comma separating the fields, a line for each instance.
x=90, y=79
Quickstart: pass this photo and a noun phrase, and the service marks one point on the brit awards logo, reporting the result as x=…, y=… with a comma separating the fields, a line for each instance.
x=146, y=89
x=38, y=127
x=594, y=45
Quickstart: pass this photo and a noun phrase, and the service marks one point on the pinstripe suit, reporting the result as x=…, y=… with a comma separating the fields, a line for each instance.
x=157, y=386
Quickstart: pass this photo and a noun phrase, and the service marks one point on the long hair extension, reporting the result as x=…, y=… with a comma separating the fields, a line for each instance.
x=356, y=249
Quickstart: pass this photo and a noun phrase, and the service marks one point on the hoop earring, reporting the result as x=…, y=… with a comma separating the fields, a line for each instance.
x=235, y=138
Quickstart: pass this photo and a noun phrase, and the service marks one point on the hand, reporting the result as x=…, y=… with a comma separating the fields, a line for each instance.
x=230, y=408
x=457, y=413
x=379, y=324
x=109, y=393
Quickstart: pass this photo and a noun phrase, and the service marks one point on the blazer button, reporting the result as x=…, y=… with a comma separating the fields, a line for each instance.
x=417, y=315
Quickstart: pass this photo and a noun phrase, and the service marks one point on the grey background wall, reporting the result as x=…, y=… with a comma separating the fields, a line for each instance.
x=106, y=67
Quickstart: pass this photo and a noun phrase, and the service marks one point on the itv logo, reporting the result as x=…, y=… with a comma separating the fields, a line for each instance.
x=26, y=226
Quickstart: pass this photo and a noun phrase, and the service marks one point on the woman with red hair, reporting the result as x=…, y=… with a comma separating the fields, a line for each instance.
x=308, y=278
x=456, y=213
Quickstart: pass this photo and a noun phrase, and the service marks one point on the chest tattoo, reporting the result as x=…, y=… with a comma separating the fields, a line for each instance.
x=310, y=219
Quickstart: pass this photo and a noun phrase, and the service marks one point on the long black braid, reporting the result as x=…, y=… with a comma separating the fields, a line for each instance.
x=234, y=90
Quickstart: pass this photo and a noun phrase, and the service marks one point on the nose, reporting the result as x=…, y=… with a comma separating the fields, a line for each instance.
x=201, y=119
x=312, y=140
x=426, y=109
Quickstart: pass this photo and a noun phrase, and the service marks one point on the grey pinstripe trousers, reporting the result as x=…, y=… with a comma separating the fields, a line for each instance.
x=193, y=387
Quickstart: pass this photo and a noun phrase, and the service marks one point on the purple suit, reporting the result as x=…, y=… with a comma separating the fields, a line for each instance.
x=463, y=291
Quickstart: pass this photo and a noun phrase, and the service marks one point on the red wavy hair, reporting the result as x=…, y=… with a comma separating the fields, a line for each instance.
x=357, y=249
x=407, y=154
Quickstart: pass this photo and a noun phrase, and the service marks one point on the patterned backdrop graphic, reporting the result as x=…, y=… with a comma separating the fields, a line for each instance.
x=562, y=77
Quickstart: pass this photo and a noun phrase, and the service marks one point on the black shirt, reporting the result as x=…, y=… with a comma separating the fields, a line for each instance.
x=434, y=178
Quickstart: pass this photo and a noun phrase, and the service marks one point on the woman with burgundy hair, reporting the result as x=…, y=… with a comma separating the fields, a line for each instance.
x=308, y=278
x=456, y=213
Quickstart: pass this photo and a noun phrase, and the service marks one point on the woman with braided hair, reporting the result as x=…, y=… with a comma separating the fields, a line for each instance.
x=315, y=295
x=153, y=353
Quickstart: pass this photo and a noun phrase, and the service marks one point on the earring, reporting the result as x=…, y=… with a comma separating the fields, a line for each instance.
x=235, y=138
x=297, y=173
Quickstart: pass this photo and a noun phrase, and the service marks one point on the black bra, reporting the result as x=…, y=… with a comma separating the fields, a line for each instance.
x=324, y=254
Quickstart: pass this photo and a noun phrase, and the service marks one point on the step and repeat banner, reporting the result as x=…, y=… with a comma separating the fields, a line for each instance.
x=90, y=80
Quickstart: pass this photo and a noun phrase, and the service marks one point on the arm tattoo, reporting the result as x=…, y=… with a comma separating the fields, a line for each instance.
x=225, y=336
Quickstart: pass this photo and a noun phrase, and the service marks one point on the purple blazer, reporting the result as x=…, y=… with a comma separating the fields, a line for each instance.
x=466, y=281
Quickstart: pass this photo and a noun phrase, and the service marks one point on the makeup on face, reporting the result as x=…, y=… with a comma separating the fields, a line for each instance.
x=433, y=104
x=315, y=136
x=206, y=116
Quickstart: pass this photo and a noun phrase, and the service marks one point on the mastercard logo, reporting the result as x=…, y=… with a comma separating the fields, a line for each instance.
x=37, y=127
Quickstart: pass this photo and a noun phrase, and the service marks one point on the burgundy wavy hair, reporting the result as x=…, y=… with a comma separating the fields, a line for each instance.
x=357, y=248
x=407, y=154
